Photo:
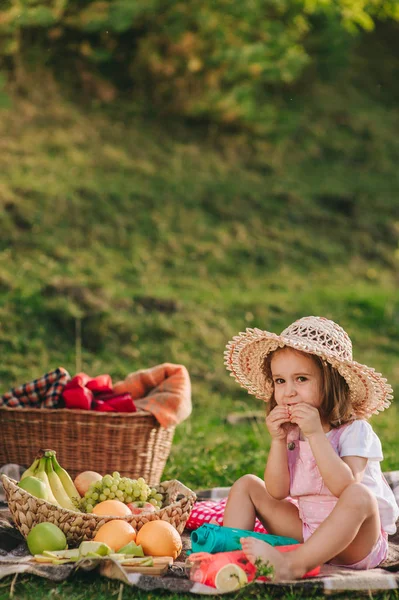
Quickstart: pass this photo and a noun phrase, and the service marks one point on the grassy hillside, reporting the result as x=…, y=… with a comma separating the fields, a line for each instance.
x=128, y=242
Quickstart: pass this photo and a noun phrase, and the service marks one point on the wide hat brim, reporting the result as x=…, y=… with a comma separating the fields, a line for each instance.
x=245, y=354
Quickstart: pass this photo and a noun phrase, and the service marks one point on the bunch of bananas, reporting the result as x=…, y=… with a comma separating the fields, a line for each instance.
x=58, y=485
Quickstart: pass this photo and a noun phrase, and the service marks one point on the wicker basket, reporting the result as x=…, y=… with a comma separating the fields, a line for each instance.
x=134, y=444
x=27, y=511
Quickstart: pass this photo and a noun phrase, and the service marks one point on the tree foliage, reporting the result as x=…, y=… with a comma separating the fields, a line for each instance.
x=213, y=59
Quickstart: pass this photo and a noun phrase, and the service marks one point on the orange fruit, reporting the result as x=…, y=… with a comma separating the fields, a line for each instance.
x=116, y=534
x=115, y=508
x=159, y=538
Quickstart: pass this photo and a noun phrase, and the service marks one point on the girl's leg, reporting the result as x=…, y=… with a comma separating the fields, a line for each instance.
x=347, y=536
x=248, y=499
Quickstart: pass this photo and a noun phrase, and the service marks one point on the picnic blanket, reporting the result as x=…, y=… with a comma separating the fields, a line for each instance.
x=163, y=390
x=14, y=558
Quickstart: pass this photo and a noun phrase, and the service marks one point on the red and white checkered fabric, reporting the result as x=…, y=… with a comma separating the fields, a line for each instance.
x=209, y=510
x=44, y=392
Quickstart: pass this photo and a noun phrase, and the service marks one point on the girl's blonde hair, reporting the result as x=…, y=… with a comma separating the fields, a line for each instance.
x=335, y=407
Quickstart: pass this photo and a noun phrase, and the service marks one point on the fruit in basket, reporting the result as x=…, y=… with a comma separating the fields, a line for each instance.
x=115, y=508
x=41, y=474
x=31, y=470
x=126, y=490
x=116, y=533
x=66, y=481
x=34, y=486
x=159, y=538
x=46, y=536
x=83, y=481
x=56, y=486
x=59, y=486
x=137, y=508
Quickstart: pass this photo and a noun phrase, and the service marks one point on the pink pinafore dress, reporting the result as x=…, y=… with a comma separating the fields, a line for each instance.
x=313, y=498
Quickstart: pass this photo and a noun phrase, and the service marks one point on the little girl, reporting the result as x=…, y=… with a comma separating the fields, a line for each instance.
x=324, y=454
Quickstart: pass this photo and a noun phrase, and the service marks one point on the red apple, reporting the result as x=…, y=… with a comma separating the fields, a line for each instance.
x=140, y=507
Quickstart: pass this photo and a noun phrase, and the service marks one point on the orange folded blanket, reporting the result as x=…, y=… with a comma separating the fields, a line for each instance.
x=163, y=390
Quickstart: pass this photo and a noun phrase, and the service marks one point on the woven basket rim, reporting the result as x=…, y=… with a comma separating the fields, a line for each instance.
x=187, y=494
x=78, y=411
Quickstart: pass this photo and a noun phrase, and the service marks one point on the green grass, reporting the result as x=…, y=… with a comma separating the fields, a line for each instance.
x=85, y=586
x=160, y=241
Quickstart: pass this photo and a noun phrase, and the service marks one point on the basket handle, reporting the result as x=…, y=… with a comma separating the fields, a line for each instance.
x=175, y=488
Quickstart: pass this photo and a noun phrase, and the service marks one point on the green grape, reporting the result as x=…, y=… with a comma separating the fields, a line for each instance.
x=143, y=497
x=140, y=480
x=129, y=489
x=121, y=485
x=103, y=497
x=158, y=497
x=119, y=494
x=94, y=496
x=153, y=502
x=89, y=508
x=153, y=491
x=111, y=495
x=128, y=499
x=87, y=494
x=107, y=480
x=106, y=491
x=114, y=488
x=136, y=493
x=116, y=475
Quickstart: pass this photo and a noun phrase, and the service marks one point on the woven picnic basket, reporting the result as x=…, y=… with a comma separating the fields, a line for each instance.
x=27, y=511
x=134, y=444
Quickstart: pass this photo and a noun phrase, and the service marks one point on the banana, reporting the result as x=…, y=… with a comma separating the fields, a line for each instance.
x=30, y=472
x=41, y=474
x=66, y=481
x=56, y=486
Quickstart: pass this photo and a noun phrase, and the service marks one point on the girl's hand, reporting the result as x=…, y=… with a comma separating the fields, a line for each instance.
x=278, y=422
x=307, y=417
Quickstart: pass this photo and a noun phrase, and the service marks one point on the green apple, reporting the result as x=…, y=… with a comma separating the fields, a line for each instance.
x=45, y=536
x=34, y=486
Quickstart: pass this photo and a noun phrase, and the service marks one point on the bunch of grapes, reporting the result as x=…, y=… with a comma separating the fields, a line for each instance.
x=120, y=488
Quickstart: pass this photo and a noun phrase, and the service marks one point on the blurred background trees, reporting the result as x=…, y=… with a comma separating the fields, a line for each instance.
x=221, y=61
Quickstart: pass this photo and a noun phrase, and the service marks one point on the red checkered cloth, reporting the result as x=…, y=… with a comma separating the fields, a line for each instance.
x=44, y=392
x=209, y=510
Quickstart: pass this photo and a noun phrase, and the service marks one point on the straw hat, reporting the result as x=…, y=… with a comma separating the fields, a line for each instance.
x=245, y=354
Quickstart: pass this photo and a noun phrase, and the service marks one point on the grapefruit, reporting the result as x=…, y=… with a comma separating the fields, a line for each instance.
x=114, y=508
x=46, y=536
x=159, y=538
x=116, y=534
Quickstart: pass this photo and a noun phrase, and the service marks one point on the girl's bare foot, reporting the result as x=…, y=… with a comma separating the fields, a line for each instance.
x=282, y=564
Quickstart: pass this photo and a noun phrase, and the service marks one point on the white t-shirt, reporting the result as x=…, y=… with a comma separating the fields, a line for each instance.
x=359, y=439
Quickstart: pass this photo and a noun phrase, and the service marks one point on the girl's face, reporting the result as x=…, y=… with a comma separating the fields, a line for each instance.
x=296, y=378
